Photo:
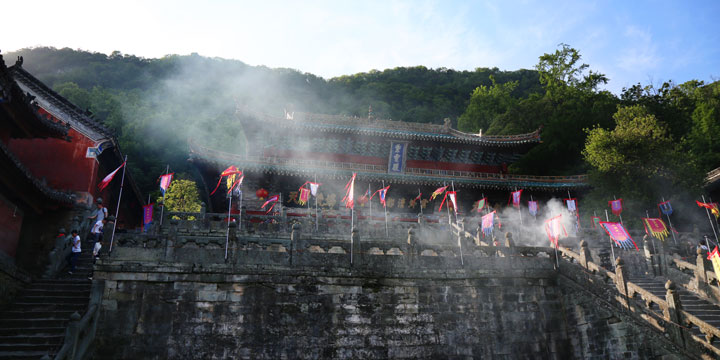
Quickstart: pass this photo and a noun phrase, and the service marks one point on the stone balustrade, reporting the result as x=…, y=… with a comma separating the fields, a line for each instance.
x=666, y=315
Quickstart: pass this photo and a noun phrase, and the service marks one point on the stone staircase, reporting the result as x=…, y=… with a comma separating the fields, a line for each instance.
x=702, y=309
x=34, y=324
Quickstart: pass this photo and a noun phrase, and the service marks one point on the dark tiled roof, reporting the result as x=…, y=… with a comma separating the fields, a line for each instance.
x=41, y=186
x=76, y=114
x=292, y=167
x=393, y=129
x=10, y=92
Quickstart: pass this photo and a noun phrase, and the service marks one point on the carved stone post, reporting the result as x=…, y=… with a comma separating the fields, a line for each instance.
x=672, y=313
x=478, y=233
x=649, y=257
x=620, y=276
x=585, y=255
x=510, y=244
x=203, y=210
x=412, y=248
x=701, y=266
x=294, y=239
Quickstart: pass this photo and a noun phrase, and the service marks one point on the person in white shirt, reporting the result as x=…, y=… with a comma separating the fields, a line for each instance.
x=96, y=233
x=100, y=213
x=75, y=252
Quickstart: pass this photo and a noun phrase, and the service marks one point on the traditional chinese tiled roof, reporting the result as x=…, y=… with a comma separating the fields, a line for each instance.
x=50, y=193
x=334, y=170
x=33, y=122
x=712, y=179
x=392, y=129
x=57, y=105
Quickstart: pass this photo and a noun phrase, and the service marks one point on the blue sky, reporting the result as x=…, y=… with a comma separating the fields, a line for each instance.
x=629, y=41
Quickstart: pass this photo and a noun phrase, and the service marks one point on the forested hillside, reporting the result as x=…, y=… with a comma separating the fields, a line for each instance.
x=155, y=105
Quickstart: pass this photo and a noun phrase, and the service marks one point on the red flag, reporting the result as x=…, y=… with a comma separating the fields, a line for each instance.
x=273, y=199
x=554, y=229
x=165, y=181
x=349, y=198
x=616, y=206
x=515, y=197
x=232, y=170
x=452, y=198
x=437, y=192
x=104, y=183
x=382, y=193
x=713, y=207
x=417, y=198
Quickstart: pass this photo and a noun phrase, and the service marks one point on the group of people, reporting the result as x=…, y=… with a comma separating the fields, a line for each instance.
x=96, y=236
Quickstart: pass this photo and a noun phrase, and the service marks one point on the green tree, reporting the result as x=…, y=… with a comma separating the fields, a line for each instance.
x=182, y=196
x=560, y=71
x=486, y=103
x=637, y=159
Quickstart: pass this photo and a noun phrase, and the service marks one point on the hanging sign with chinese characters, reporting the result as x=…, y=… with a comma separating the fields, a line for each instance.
x=396, y=162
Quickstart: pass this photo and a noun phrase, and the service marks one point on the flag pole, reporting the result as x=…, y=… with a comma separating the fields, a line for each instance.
x=240, y=205
x=486, y=207
x=117, y=209
x=162, y=208
x=352, y=218
x=710, y=219
x=519, y=213
x=462, y=262
x=420, y=201
x=370, y=202
x=534, y=216
x=316, y=208
x=229, y=217
x=619, y=215
x=387, y=232
x=612, y=248
x=672, y=231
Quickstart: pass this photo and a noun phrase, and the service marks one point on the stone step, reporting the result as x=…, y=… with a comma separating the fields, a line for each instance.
x=21, y=306
x=74, y=286
x=29, y=347
x=80, y=291
x=53, y=299
x=62, y=281
x=22, y=355
x=36, y=331
x=10, y=314
x=51, y=339
x=33, y=323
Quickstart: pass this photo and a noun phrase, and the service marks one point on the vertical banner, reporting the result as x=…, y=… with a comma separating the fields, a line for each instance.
x=165, y=181
x=596, y=222
x=616, y=206
x=571, y=204
x=515, y=198
x=533, y=207
x=487, y=224
x=617, y=232
x=147, y=215
x=396, y=161
x=554, y=229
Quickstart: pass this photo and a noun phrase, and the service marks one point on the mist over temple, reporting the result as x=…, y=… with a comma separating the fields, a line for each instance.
x=208, y=213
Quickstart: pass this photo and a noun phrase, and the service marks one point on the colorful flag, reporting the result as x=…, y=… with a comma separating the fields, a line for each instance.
x=714, y=257
x=273, y=199
x=665, y=208
x=616, y=206
x=233, y=181
x=417, y=198
x=655, y=227
x=147, y=215
x=596, y=221
x=365, y=197
x=533, y=207
x=571, y=204
x=232, y=170
x=481, y=204
x=515, y=197
x=712, y=206
x=437, y=192
x=313, y=187
x=304, y=196
x=617, y=232
x=381, y=193
x=349, y=198
x=554, y=229
x=165, y=181
x=487, y=223
x=451, y=194
x=104, y=183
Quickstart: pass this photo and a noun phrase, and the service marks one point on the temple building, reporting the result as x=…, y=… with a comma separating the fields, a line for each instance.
x=52, y=156
x=283, y=152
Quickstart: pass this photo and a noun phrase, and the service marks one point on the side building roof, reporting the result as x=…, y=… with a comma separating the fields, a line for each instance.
x=22, y=112
x=386, y=128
